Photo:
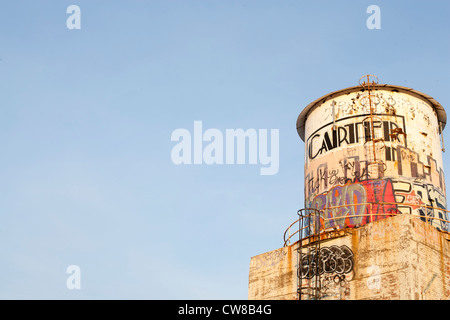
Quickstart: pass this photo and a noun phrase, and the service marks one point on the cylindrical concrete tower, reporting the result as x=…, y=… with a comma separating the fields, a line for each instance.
x=373, y=151
x=374, y=224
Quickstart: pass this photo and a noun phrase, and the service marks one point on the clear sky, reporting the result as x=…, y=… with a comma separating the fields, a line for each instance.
x=86, y=174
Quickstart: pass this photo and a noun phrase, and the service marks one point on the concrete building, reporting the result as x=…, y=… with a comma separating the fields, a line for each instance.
x=375, y=222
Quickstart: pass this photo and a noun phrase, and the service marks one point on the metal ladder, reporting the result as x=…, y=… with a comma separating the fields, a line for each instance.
x=309, y=268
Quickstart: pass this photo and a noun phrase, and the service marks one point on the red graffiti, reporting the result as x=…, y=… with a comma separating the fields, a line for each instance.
x=381, y=196
x=355, y=203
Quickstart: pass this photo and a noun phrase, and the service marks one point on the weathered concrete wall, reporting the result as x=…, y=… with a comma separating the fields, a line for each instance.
x=273, y=275
x=400, y=257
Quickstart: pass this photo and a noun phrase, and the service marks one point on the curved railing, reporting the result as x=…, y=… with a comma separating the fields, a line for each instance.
x=300, y=226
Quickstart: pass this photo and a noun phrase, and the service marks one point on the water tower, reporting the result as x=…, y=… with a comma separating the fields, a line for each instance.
x=372, y=150
x=374, y=195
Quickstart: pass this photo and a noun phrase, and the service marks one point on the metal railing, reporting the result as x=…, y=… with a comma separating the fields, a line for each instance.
x=299, y=227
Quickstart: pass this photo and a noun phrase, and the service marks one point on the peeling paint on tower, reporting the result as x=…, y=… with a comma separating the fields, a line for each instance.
x=375, y=222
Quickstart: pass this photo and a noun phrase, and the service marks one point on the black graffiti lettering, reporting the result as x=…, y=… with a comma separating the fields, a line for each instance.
x=347, y=134
x=388, y=154
x=386, y=131
x=334, y=178
x=393, y=125
x=357, y=130
x=364, y=175
x=330, y=267
x=327, y=260
x=423, y=195
x=351, y=132
x=322, y=177
x=341, y=130
x=367, y=133
x=311, y=143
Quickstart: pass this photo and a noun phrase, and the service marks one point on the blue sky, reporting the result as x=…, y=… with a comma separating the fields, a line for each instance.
x=87, y=115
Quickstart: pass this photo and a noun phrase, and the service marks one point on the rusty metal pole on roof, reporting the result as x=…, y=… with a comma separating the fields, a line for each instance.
x=371, y=120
